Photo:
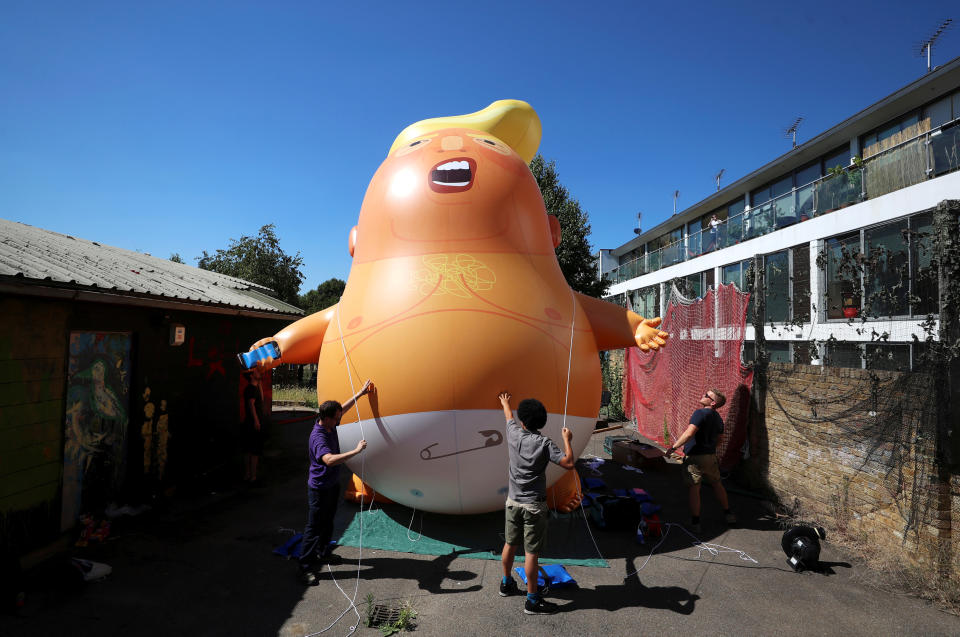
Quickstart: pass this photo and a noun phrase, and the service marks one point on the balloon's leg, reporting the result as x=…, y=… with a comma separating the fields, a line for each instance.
x=566, y=493
x=358, y=488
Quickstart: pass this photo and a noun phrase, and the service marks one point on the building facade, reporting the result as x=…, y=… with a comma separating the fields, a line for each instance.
x=841, y=226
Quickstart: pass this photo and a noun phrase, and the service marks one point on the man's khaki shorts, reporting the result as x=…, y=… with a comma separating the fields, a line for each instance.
x=701, y=468
x=527, y=526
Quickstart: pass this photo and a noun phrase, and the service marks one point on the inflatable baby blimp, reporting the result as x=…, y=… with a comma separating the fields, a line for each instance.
x=454, y=296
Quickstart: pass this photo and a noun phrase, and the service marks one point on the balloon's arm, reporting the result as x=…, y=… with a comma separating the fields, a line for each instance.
x=615, y=327
x=299, y=342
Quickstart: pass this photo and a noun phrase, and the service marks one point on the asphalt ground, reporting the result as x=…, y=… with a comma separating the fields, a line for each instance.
x=203, y=565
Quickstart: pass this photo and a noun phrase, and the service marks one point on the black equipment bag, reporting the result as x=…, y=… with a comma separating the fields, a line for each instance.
x=613, y=512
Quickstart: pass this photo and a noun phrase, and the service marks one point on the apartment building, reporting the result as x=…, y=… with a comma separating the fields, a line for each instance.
x=861, y=192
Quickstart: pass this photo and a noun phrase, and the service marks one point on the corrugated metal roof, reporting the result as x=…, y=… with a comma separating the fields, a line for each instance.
x=36, y=255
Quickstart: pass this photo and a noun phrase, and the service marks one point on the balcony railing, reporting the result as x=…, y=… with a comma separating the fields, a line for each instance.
x=926, y=156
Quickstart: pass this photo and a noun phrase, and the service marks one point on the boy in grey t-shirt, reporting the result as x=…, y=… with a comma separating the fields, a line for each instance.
x=526, y=507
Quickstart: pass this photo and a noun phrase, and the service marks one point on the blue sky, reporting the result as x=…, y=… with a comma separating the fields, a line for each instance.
x=175, y=126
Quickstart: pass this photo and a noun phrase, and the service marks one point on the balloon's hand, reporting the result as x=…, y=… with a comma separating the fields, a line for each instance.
x=266, y=361
x=648, y=336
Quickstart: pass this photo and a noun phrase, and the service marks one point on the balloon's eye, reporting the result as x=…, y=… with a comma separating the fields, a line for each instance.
x=493, y=144
x=413, y=146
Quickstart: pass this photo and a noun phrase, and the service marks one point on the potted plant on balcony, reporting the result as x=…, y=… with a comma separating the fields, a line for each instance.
x=849, y=309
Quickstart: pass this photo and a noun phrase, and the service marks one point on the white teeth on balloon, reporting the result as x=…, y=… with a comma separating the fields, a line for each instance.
x=452, y=173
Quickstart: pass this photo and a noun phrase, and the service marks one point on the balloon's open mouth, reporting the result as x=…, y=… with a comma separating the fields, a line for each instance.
x=455, y=175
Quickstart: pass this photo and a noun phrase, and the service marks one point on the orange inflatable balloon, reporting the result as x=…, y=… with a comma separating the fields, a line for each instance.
x=454, y=296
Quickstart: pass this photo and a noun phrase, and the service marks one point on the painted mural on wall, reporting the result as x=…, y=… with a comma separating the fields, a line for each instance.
x=156, y=436
x=95, y=437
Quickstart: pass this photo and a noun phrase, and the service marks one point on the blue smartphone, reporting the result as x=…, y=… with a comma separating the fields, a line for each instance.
x=249, y=359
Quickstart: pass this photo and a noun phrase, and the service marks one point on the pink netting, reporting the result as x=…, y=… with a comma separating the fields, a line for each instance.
x=661, y=390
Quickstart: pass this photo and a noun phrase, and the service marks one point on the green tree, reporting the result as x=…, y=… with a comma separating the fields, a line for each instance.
x=326, y=294
x=577, y=261
x=176, y=258
x=259, y=260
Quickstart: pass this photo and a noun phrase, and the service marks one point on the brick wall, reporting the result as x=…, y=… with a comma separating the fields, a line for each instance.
x=857, y=450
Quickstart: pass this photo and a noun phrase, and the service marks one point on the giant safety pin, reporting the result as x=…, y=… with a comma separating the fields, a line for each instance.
x=493, y=436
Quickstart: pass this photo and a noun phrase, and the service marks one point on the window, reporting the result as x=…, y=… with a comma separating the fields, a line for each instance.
x=887, y=275
x=749, y=353
x=844, y=355
x=889, y=356
x=890, y=134
x=646, y=301
x=779, y=352
x=777, y=284
x=673, y=247
x=695, y=243
x=692, y=285
x=895, y=275
x=803, y=352
x=731, y=274
x=925, y=288
x=731, y=232
x=939, y=113
x=839, y=157
x=808, y=175
x=800, y=282
x=739, y=274
x=805, y=178
x=843, y=276
x=760, y=196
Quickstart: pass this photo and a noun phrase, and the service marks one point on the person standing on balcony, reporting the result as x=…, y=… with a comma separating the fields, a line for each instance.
x=714, y=232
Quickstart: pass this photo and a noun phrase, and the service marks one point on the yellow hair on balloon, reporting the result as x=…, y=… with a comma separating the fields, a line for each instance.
x=514, y=122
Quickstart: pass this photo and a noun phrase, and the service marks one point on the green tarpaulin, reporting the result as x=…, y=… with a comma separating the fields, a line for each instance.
x=471, y=536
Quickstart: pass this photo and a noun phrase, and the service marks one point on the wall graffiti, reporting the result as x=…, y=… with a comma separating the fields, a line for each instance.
x=156, y=435
x=98, y=388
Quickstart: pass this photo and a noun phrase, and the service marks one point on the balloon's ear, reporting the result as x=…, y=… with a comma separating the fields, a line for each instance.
x=555, y=232
x=352, y=240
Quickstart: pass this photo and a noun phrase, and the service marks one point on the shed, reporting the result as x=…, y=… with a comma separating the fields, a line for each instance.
x=118, y=378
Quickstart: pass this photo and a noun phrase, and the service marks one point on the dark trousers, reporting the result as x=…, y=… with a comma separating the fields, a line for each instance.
x=321, y=509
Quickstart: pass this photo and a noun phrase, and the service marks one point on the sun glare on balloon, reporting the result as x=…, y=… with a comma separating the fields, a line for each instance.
x=403, y=183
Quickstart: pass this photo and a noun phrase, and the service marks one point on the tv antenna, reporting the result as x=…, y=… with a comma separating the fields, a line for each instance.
x=791, y=131
x=718, y=176
x=637, y=230
x=676, y=193
x=925, y=46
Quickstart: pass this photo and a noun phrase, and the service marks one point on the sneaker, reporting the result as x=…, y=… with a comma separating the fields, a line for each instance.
x=539, y=607
x=730, y=518
x=309, y=578
x=509, y=588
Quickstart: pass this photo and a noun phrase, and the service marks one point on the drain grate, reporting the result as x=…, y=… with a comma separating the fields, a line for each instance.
x=384, y=615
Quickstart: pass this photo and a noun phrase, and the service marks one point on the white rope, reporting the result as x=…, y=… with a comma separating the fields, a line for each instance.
x=409, y=526
x=566, y=396
x=573, y=321
x=712, y=549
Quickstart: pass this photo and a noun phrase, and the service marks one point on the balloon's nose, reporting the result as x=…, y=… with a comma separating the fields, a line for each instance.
x=451, y=142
